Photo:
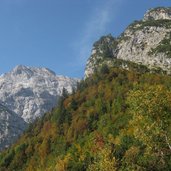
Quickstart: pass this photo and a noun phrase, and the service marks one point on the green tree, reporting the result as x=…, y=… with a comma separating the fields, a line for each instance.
x=104, y=69
x=103, y=161
x=150, y=108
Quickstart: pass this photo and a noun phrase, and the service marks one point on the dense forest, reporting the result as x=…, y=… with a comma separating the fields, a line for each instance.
x=116, y=120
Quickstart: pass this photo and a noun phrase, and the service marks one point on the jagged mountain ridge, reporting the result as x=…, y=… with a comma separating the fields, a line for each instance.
x=11, y=126
x=145, y=42
x=158, y=13
x=31, y=91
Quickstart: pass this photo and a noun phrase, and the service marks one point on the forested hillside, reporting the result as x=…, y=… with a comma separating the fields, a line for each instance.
x=116, y=120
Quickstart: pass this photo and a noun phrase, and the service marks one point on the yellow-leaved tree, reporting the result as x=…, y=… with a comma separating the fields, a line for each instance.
x=150, y=107
x=104, y=161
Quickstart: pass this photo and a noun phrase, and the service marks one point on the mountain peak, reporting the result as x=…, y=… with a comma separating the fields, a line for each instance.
x=31, y=91
x=21, y=69
x=145, y=42
x=160, y=13
x=30, y=71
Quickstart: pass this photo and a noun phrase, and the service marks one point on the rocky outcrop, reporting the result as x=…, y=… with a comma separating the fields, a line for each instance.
x=103, y=50
x=142, y=44
x=160, y=13
x=146, y=42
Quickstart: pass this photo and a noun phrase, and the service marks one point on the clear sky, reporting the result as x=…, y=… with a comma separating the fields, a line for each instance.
x=59, y=34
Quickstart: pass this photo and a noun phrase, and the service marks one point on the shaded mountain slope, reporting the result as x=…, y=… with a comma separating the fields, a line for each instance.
x=11, y=126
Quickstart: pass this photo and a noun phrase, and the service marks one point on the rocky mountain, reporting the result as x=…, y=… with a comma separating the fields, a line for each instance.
x=159, y=13
x=30, y=91
x=11, y=126
x=118, y=119
x=27, y=93
x=146, y=42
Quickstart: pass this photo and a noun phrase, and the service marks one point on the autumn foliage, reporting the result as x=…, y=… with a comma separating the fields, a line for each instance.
x=116, y=120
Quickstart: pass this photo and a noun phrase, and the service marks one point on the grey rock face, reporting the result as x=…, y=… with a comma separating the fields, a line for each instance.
x=144, y=42
x=30, y=92
x=158, y=14
x=27, y=93
x=103, y=49
x=140, y=44
x=11, y=127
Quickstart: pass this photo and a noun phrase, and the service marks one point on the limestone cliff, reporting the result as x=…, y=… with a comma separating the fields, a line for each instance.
x=146, y=42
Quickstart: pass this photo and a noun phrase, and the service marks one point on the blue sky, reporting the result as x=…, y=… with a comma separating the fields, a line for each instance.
x=59, y=34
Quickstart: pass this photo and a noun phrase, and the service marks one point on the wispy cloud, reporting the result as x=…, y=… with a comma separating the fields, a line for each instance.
x=96, y=26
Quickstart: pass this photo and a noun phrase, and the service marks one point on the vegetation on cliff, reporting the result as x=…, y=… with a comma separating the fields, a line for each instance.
x=116, y=120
